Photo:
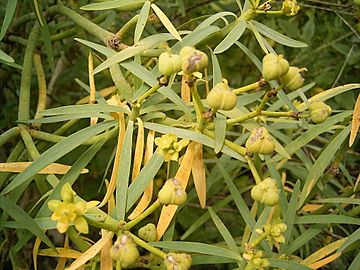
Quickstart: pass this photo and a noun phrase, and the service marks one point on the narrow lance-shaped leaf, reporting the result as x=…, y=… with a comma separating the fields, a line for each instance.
x=165, y=21
x=232, y=37
x=143, y=17
x=9, y=13
x=220, y=131
x=121, y=5
x=199, y=176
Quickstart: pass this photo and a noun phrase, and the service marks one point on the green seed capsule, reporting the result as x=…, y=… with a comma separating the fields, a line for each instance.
x=192, y=60
x=274, y=66
x=124, y=250
x=172, y=193
x=221, y=97
x=260, y=142
x=148, y=232
x=319, y=112
x=293, y=79
x=169, y=63
x=266, y=192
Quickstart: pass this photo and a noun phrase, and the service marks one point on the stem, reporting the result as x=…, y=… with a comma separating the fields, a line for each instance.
x=25, y=84
x=77, y=240
x=148, y=247
x=199, y=108
x=143, y=215
x=253, y=170
x=246, y=88
x=240, y=119
x=237, y=148
x=258, y=239
x=272, y=12
x=8, y=135
x=148, y=93
x=102, y=225
x=42, y=89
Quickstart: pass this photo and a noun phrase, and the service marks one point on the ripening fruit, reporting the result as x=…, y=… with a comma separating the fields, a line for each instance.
x=274, y=66
x=177, y=261
x=172, y=193
x=192, y=60
x=169, y=63
x=124, y=250
x=260, y=142
x=148, y=232
x=319, y=112
x=221, y=97
x=293, y=79
x=266, y=192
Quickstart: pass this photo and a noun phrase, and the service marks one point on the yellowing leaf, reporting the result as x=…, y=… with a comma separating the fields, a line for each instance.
x=60, y=252
x=62, y=261
x=139, y=149
x=103, y=92
x=325, y=261
x=311, y=207
x=53, y=168
x=183, y=174
x=36, y=251
x=165, y=21
x=92, y=98
x=146, y=197
x=91, y=252
x=355, y=124
x=198, y=172
x=185, y=89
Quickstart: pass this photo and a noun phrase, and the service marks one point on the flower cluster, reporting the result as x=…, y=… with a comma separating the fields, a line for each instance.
x=275, y=231
x=169, y=147
x=67, y=213
x=255, y=260
x=290, y=7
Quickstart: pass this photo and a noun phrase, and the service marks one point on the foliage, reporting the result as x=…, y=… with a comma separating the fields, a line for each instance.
x=218, y=107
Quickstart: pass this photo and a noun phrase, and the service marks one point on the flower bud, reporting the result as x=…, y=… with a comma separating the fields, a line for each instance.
x=192, y=60
x=67, y=193
x=177, y=261
x=172, y=193
x=260, y=142
x=274, y=66
x=169, y=63
x=266, y=192
x=293, y=79
x=148, y=233
x=319, y=112
x=221, y=97
x=290, y=7
x=124, y=250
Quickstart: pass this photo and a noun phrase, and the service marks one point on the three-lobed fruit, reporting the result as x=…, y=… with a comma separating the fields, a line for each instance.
x=192, y=60
x=124, y=250
x=172, y=193
x=148, y=232
x=274, y=66
x=260, y=142
x=266, y=192
x=319, y=111
x=169, y=63
x=221, y=97
x=293, y=79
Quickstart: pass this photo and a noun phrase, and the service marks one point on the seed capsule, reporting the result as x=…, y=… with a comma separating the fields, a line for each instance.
x=148, y=232
x=319, y=112
x=221, y=97
x=293, y=79
x=266, y=192
x=124, y=250
x=274, y=66
x=169, y=63
x=260, y=142
x=192, y=60
x=172, y=193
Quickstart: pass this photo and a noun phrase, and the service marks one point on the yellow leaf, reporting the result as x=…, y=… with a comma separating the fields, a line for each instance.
x=311, y=207
x=91, y=252
x=53, y=168
x=62, y=261
x=325, y=261
x=183, y=174
x=92, y=99
x=355, y=124
x=185, y=89
x=112, y=185
x=36, y=251
x=165, y=21
x=60, y=252
x=323, y=252
x=198, y=172
x=103, y=92
x=147, y=196
x=139, y=149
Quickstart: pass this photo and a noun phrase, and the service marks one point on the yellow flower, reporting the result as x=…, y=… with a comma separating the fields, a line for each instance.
x=169, y=147
x=290, y=7
x=68, y=213
x=275, y=231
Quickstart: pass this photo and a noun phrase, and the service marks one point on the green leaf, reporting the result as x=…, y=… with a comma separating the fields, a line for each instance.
x=258, y=37
x=321, y=164
x=142, y=180
x=220, y=132
x=217, y=76
x=170, y=94
x=9, y=14
x=83, y=109
x=62, y=118
x=45, y=34
x=5, y=57
x=198, y=248
x=139, y=71
x=250, y=54
x=303, y=238
x=38, y=12
x=232, y=37
x=291, y=265
x=97, y=47
x=276, y=36
x=327, y=219
x=143, y=17
x=57, y=151
x=213, y=18
x=123, y=173
x=338, y=200
x=120, y=5
x=355, y=263
x=354, y=237
x=19, y=215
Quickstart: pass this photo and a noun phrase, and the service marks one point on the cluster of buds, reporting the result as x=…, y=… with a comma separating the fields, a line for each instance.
x=319, y=112
x=275, y=231
x=266, y=192
x=148, y=232
x=177, y=261
x=260, y=142
x=124, y=250
x=290, y=7
x=169, y=147
x=66, y=212
x=255, y=260
x=189, y=61
x=221, y=97
x=172, y=193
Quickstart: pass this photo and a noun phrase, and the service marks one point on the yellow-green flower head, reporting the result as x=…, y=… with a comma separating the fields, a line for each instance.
x=177, y=261
x=256, y=261
x=124, y=250
x=275, y=231
x=67, y=213
x=290, y=7
x=266, y=192
x=169, y=147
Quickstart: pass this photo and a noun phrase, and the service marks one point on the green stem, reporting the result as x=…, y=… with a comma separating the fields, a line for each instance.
x=272, y=12
x=25, y=84
x=253, y=170
x=8, y=135
x=199, y=108
x=258, y=239
x=77, y=240
x=102, y=225
x=148, y=247
x=237, y=148
x=248, y=87
x=143, y=215
x=148, y=93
